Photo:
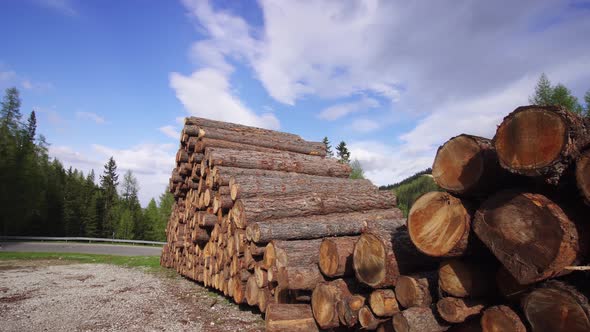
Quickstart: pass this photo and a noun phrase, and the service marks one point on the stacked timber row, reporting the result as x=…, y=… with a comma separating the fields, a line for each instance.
x=252, y=207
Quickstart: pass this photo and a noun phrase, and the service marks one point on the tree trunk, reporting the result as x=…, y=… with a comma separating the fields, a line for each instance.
x=458, y=310
x=418, y=319
x=367, y=319
x=251, y=291
x=439, y=224
x=502, y=319
x=206, y=142
x=540, y=141
x=289, y=318
x=468, y=165
x=250, y=186
x=277, y=161
x=207, y=123
x=264, y=299
x=512, y=224
x=336, y=256
x=295, y=253
x=417, y=290
x=324, y=299
x=265, y=208
x=383, y=302
x=273, y=141
x=223, y=174
x=316, y=226
x=223, y=202
x=348, y=309
x=557, y=306
x=382, y=255
x=463, y=279
x=299, y=277
x=181, y=156
x=583, y=175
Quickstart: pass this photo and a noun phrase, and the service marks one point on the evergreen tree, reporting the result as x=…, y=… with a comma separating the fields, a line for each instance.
x=342, y=153
x=11, y=115
x=130, y=188
x=108, y=184
x=543, y=92
x=329, y=152
x=31, y=127
x=151, y=215
x=587, y=100
x=124, y=228
x=357, y=170
x=546, y=95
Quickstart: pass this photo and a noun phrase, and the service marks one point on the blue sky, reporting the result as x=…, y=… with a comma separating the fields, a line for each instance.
x=393, y=79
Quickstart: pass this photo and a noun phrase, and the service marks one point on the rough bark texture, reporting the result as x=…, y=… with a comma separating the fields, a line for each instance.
x=324, y=299
x=512, y=224
x=381, y=256
x=439, y=224
x=557, y=307
x=418, y=319
x=540, y=141
x=206, y=142
x=417, y=290
x=289, y=318
x=317, y=226
x=201, y=122
x=457, y=310
x=277, y=161
x=463, y=279
x=336, y=256
x=501, y=319
x=583, y=175
x=300, y=277
x=468, y=165
x=295, y=253
x=224, y=174
x=383, y=302
x=266, y=208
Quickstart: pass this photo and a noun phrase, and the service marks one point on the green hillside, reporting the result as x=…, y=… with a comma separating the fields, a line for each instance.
x=408, y=191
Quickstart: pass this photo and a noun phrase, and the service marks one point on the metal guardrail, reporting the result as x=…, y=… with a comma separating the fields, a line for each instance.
x=77, y=239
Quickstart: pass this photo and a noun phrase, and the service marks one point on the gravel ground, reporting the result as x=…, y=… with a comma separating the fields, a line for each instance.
x=55, y=295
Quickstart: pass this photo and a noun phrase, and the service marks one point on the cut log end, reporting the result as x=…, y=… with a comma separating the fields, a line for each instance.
x=439, y=225
x=501, y=319
x=383, y=302
x=323, y=303
x=369, y=260
x=531, y=139
x=328, y=257
x=459, y=164
x=289, y=318
x=415, y=291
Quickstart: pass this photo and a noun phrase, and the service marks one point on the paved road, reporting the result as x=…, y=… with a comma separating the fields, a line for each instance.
x=82, y=248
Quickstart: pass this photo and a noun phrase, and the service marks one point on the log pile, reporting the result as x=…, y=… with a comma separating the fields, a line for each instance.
x=271, y=222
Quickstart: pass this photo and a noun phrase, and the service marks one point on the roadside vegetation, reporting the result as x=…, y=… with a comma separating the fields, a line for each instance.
x=151, y=262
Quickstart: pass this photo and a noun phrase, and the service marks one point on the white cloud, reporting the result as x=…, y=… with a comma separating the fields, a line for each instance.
x=364, y=125
x=170, y=131
x=206, y=93
x=63, y=6
x=340, y=110
x=90, y=116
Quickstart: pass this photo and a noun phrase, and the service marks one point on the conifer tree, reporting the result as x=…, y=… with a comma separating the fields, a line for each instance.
x=10, y=113
x=31, y=127
x=108, y=183
x=329, y=152
x=342, y=153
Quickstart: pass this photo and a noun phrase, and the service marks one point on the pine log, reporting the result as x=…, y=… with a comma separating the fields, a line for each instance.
x=182, y=156
x=245, y=187
x=418, y=319
x=540, y=141
x=557, y=307
x=277, y=161
x=348, y=309
x=336, y=256
x=367, y=319
x=317, y=226
x=381, y=255
x=299, y=277
x=501, y=319
x=206, y=142
x=512, y=224
x=458, y=310
x=467, y=165
x=222, y=202
x=324, y=300
x=439, y=224
x=417, y=290
x=383, y=302
x=264, y=298
x=207, y=123
x=261, y=276
x=295, y=253
x=223, y=174
x=251, y=291
x=583, y=175
x=464, y=279
x=300, y=205
x=289, y=318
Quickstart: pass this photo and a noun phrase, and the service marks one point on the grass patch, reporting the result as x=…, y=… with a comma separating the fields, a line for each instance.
x=151, y=262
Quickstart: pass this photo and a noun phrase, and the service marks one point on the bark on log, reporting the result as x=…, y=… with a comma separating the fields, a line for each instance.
x=324, y=300
x=501, y=319
x=181, y=156
x=277, y=161
x=557, y=307
x=222, y=202
x=224, y=174
x=540, y=141
x=274, y=141
x=467, y=165
x=458, y=310
x=317, y=226
x=245, y=187
x=266, y=208
x=417, y=290
x=295, y=253
x=336, y=256
x=382, y=255
x=383, y=302
x=512, y=224
x=300, y=277
x=464, y=279
x=439, y=224
x=207, y=123
x=206, y=142
x=289, y=318
x=367, y=319
x=348, y=309
x=418, y=319
x=583, y=175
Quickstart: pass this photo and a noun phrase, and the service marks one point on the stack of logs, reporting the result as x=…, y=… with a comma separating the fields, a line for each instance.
x=500, y=249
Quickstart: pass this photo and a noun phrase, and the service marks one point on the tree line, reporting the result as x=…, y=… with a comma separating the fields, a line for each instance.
x=39, y=197
x=343, y=156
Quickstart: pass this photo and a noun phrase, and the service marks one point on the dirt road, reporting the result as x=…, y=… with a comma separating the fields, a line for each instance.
x=81, y=248
x=57, y=296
